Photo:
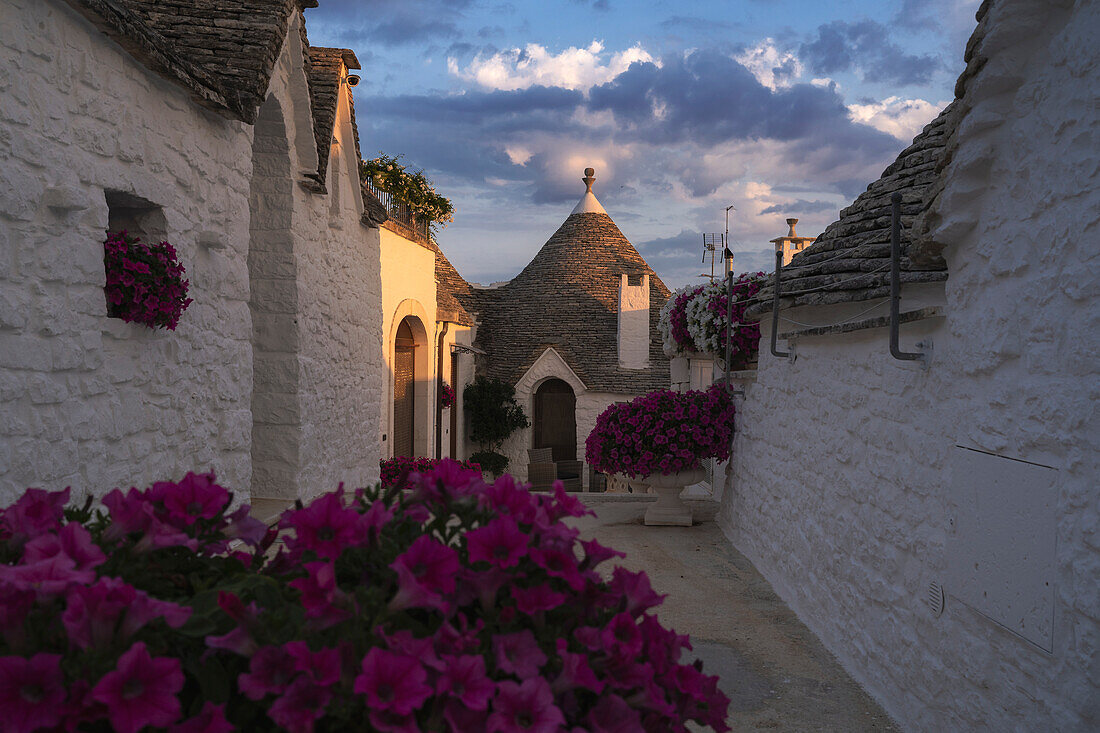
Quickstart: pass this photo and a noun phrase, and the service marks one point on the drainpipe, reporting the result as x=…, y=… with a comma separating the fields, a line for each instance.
x=438, y=392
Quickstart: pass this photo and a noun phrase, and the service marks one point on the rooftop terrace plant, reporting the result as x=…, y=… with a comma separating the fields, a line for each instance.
x=440, y=603
x=387, y=173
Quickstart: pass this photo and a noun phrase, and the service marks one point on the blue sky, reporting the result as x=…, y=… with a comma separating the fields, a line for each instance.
x=779, y=107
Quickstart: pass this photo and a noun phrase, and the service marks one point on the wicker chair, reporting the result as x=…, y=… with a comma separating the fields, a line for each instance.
x=543, y=471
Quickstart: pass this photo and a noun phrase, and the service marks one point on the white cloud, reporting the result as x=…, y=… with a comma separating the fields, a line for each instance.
x=902, y=118
x=519, y=155
x=771, y=67
x=572, y=68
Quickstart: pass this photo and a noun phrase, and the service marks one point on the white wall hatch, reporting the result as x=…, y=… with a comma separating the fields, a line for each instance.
x=1002, y=541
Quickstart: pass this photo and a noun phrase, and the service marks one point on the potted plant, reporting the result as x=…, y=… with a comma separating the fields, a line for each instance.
x=494, y=415
x=145, y=282
x=662, y=437
x=694, y=320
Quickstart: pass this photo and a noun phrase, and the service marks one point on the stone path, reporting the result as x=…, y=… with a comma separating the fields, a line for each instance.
x=774, y=670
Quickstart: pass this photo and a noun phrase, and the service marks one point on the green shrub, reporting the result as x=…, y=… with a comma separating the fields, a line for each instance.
x=494, y=414
x=490, y=461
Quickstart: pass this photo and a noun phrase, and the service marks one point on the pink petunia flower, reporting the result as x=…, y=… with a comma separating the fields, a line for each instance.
x=322, y=600
x=464, y=678
x=36, y=512
x=130, y=512
x=211, y=719
x=622, y=636
x=244, y=527
x=47, y=578
x=195, y=497
x=73, y=540
x=321, y=667
x=326, y=526
x=595, y=553
x=575, y=672
x=391, y=682
x=613, y=715
x=300, y=706
x=141, y=690
x=31, y=692
x=636, y=590
x=425, y=572
x=94, y=614
x=527, y=706
x=560, y=564
x=500, y=543
x=540, y=598
x=518, y=653
x=270, y=672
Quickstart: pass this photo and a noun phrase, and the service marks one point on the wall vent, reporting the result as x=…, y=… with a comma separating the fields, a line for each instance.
x=935, y=598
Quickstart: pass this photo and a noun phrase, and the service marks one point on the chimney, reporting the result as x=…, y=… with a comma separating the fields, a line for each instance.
x=634, y=320
x=791, y=244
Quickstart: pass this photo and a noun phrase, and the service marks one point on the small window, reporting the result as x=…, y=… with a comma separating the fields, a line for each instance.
x=138, y=216
x=634, y=280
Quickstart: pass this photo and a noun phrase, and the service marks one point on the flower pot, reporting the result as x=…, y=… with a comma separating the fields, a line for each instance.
x=670, y=509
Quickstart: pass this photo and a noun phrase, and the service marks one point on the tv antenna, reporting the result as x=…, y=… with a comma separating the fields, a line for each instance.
x=717, y=245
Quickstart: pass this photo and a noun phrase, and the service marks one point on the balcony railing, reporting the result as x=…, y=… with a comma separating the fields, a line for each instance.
x=401, y=217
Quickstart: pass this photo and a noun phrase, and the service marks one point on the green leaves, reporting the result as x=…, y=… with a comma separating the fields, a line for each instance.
x=494, y=413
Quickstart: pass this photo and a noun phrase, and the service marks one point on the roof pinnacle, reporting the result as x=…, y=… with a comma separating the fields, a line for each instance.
x=589, y=177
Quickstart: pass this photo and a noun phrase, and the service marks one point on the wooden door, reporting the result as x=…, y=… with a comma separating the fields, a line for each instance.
x=404, y=390
x=556, y=419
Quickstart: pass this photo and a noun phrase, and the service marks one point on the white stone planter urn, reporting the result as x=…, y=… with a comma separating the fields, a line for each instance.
x=670, y=509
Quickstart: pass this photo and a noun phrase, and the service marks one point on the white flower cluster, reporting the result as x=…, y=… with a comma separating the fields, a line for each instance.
x=664, y=324
x=703, y=324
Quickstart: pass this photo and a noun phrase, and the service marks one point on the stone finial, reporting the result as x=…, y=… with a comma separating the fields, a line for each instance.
x=791, y=223
x=589, y=177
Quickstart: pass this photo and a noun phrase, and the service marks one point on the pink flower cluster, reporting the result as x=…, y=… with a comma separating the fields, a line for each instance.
x=440, y=603
x=393, y=468
x=677, y=316
x=745, y=340
x=662, y=432
x=144, y=282
x=446, y=396
x=80, y=644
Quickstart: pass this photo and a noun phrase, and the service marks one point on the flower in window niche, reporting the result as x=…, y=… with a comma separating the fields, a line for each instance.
x=145, y=282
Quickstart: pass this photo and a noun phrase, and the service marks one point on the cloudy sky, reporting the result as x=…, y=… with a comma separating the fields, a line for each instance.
x=779, y=107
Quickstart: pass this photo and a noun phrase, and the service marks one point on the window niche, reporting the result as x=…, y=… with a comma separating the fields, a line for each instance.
x=135, y=215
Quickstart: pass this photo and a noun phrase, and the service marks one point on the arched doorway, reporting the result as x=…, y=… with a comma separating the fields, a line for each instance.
x=555, y=424
x=273, y=303
x=404, y=390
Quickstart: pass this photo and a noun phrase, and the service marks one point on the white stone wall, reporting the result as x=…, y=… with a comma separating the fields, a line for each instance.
x=339, y=296
x=96, y=403
x=84, y=399
x=841, y=480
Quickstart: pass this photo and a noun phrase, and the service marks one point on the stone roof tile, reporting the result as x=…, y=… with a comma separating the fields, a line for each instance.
x=567, y=297
x=850, y=261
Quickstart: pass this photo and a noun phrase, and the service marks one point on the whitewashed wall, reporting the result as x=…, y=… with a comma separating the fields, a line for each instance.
x=340, y=319
x=96, y=403
x=84, y=399
x=841, y=484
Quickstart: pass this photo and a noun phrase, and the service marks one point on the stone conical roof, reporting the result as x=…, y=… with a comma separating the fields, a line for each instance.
x=567, y=298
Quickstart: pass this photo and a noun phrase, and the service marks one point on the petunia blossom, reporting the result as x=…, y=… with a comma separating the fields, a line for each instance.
x=527, y=706
x=141, y=690
x=425, y=572
x=500, y=543
x=32, y=692
x=391, y=682
x=518, y=653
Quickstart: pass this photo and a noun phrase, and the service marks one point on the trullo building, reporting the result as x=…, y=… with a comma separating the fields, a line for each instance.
x=574, y=332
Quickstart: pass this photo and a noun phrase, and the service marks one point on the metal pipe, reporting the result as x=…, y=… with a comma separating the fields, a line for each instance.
x=895, y=282
x=438, y=394
x=729, y=321
x=775, y=307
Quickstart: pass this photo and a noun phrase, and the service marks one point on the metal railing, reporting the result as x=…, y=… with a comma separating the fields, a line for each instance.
x=400, y=215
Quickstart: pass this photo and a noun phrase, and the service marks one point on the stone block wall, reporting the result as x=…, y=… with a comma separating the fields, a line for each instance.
x=86, y=400
x=840, y=488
